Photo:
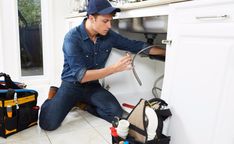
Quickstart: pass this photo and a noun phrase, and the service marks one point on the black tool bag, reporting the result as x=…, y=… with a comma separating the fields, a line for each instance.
x=137, y=133
x=18, y=107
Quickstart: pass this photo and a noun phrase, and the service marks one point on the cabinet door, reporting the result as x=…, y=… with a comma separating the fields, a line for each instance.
x=198, y=73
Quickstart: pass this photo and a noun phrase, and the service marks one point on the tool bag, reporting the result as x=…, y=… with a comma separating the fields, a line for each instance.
x=141, y=124
x=18, y=107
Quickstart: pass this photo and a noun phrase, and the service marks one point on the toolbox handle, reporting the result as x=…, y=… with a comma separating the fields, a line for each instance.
x=9, y=83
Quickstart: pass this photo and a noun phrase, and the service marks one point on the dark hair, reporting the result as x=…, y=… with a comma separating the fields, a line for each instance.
x=96, y=14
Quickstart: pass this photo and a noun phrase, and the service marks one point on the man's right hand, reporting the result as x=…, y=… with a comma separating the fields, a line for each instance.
x=123, y=64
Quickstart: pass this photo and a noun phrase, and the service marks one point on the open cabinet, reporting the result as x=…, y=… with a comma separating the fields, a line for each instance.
x=198, y=82
x=149, y=69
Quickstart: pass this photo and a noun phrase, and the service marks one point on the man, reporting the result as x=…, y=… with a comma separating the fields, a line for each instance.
x=86, y=49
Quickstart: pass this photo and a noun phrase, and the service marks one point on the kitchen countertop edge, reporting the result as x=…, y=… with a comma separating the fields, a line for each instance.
x=130, y=6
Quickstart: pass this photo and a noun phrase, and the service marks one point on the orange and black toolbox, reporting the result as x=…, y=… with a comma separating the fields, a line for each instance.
x=18, y=107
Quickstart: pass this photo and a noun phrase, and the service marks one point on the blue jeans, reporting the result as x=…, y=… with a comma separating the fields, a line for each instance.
x=100, y=103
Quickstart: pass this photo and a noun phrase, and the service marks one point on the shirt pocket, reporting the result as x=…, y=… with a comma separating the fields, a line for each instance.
x=104, y=54
x=89, y=61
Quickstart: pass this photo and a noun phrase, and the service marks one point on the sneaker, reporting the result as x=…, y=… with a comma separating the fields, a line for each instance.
x=52, y=91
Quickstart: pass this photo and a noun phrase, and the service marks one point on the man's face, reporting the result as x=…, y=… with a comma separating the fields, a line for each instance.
x=102, y=23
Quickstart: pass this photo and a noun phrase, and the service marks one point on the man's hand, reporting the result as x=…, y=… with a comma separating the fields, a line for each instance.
x=123, y=64
x=157, y=51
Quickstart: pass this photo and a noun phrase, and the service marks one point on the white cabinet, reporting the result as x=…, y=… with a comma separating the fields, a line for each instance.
x=199, y=72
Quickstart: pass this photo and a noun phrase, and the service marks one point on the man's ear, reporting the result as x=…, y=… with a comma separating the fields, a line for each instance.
x=91, y=18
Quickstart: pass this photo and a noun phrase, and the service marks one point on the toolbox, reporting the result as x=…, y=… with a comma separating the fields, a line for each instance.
x=18, y=106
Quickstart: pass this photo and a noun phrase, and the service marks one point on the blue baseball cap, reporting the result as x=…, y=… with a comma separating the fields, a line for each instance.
x=100, y=7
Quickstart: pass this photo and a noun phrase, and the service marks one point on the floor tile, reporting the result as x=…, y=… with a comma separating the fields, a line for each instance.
x=30, y=140
x=93, y=120
x=69, y=125
x=75, y=129
x=104, y=131
x=78, y=136
x=31, y=135
x=100, y=125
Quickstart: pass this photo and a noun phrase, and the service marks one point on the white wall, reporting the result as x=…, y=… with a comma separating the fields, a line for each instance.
x=53, y=39
x=1, y=48
x=55, y=27
x=9, y=40
x=60, y=12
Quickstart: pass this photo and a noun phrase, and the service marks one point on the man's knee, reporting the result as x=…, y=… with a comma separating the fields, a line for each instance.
x=48, y=125
x=117, y=110
x=47, y=122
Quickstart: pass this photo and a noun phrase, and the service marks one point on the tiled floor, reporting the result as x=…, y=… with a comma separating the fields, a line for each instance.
x=79, y=127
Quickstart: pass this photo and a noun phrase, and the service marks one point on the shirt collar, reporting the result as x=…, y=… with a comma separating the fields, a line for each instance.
x=84, y=33
x=83, y=30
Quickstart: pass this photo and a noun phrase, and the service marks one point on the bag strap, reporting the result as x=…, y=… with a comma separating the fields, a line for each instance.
x=157, y=103
x=135, y=128
x=2, y=86
x=164, y=114
x=9, y=83
x=162, y=140
x=137, y=119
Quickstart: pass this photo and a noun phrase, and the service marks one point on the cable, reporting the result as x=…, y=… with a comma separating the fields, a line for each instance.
x=155, y=88
x=133, y=66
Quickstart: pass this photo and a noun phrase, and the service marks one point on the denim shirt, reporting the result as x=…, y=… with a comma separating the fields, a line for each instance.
x=81, y=54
